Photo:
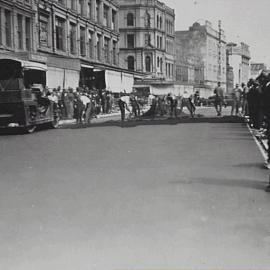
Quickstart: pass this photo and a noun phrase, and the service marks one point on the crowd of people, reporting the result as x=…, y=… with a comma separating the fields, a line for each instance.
x=252, y=101
x=82, y=104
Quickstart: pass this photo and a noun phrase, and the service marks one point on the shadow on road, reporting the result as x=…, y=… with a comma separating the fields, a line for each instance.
x=240, y=183
x=131, y=123
x=244, y=138
x=21, y=131
x=156, y=121
x=250, y=165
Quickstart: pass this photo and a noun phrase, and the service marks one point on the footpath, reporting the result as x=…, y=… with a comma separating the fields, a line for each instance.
x=100, y=118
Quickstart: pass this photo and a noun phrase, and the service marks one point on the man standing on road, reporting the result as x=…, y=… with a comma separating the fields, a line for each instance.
x=187, y=102
x=244, y=100
x=123, y=103
x=87, y=106
x=219, y=97
x=173, y=105
x=236, y=95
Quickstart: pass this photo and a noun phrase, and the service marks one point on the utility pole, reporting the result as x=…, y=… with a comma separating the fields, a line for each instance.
x=219, y=49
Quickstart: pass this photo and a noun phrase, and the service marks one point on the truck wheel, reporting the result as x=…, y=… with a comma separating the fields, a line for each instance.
x=30, y=129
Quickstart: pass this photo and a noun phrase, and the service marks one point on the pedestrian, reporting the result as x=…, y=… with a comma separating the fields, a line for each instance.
x=78, y=108
x=173, y=104
x=197, y=98
x=254, y=104
x=123, y=104
x=236, y=96
x=244, y=99
x=264, y=80
x=108, y=102
x=187, y=102
x=219, y=99
x=63, y=102
x=102, y=95
x=135, y=106
x=87, y=106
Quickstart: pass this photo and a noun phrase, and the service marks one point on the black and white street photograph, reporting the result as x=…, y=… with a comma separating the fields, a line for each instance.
x=134, y=135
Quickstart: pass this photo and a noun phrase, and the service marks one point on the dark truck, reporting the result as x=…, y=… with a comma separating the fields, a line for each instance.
x=23, y=101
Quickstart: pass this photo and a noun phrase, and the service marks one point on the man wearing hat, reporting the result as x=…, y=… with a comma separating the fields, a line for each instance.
x=236, y=95
x=219, y=99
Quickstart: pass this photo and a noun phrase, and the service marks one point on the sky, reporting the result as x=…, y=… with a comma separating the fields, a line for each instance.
x=242, y=20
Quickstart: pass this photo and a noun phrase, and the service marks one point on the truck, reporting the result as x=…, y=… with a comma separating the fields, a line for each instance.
x=24, y=102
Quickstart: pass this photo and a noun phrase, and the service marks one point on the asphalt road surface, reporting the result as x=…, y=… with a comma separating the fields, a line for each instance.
x=186, y=196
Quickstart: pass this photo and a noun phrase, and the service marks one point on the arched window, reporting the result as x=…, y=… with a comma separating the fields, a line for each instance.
x=131, y=62
x=130, y=19
x=161, y=65
x=148, y=64
x=147, y=20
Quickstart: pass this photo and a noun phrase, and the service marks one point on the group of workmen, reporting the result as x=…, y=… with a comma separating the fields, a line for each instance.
x=170, y=105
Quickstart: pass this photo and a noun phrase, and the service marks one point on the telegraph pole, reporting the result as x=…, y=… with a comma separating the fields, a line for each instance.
x=219, y=49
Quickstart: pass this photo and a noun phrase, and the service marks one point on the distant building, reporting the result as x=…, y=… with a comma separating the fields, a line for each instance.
x=77, y=41
x=147, y=42
x=238, y=60
x=189, y=71
x=203, y=53
x=256, y=68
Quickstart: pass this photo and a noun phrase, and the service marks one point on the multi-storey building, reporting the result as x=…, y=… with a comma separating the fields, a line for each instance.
x=147, y=41
x=17, y=29
x=77, y=40
x=189, y=71
x=238, y=60
x=256, y=69
x=204, y=45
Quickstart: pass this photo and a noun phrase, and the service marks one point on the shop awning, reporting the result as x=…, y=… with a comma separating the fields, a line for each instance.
x=34, y=65
x=87, y=66
x=117, y=81
x=28, y=64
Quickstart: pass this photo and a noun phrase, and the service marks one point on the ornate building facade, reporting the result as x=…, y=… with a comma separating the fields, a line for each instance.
x=77, y=40
x=147, y=41
x=17, y=29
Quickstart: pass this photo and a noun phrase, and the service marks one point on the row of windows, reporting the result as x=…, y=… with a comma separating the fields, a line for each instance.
x=169, y=46
x=131, y=19
x=169, y=70
x=189, y=74
x=148, y=65
x=215, y=69
x=88, y=43
x=21, y=28
x=27, y=2
x=147, y=40
x=160, y=64
x=169, y=27
x=147, y=62
x=159, y=42
x=92, y=10
x=159, y=22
